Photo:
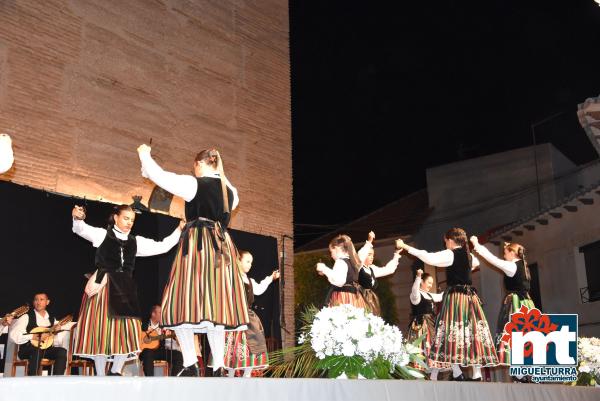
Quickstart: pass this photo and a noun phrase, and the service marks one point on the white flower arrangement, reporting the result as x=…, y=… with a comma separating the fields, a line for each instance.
x=350, y=341
x=589, y=361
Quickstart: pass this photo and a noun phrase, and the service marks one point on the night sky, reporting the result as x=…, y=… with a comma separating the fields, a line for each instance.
x=383, y=90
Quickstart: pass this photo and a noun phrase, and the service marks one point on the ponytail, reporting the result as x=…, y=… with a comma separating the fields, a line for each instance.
x=521, y=255
x=212, y=157
x=519, y=250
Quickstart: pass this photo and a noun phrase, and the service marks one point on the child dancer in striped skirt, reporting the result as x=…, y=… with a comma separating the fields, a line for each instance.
x=343, y=276
x=423, y=315
x=205, y=292
x=462, y=334
x=369, y=272
x=516, y=284
x=109, y=324
x=247, y=350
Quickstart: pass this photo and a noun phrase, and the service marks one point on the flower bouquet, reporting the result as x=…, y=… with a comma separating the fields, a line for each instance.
x=348, y=342
x=589, y=362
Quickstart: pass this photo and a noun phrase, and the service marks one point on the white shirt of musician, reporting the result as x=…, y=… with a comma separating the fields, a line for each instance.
x=170, y=343
x=19, y=328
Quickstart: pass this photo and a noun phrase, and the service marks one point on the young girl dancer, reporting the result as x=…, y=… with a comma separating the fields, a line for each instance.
x=109, y=324
x=247, y=350
x=462, y=334
x=516, y=284
x=343, y=276
x=205, y=292
x=369, y=272
x=423, y=315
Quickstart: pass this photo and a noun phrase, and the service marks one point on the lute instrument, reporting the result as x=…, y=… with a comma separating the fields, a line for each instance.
x=17, y=313
x=151, y=340
x=51, y=331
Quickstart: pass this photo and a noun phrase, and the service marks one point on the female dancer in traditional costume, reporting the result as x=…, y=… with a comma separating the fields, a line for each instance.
x=462, y=334
x=247, y=350
x=423, y=315
x=205, y=292
x=109, y=323
x=516, y=284
x=343, y=276
x=369, y=272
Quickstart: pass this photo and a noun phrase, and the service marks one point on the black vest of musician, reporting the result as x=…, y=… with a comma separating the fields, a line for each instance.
x=517, y=283
x=32, y=324
x=108, y=254
x=459, y=272
x=424, y=307
x=208, y=202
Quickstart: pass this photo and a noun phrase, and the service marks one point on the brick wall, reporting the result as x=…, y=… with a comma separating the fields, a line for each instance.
x=83, y=83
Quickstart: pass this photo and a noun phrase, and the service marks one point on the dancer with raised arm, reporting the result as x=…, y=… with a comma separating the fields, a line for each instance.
x=343, y=275
x=422, y=323
x=462, y=333
x=516, y=285
x=205, y=292
x=109, y=323
x=247, y=350
x=369, y=273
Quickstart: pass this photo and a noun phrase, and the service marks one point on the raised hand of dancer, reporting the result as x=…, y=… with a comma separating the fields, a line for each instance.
x=78, y=213
x=419, y=273
x=143, y=148
x=321, y=268
x=275, y=275
x=400, y=244
x=474, y=240
x=371, y=237
x=6, y=139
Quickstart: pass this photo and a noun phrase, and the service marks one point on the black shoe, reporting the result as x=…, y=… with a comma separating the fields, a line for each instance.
x=524, y=379
x=473, y=380
x=113, y=374
x=460, y=378
x=190, y=371
x=219, y=372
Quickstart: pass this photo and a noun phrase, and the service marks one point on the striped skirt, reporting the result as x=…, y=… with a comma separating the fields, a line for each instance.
x=423, y=325
x=203, y=289
x=350, y=294
x=512, y=303
x=98, y=334
x=462, y=334
x=239, y=347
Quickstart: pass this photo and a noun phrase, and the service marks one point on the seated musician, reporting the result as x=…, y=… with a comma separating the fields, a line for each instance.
x=5, y=324
x=168, y=350
x=38, y=317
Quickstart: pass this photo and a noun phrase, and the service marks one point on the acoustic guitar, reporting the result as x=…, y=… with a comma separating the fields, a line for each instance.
x=151, y=340
x=52, y=330
x=17, y=313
